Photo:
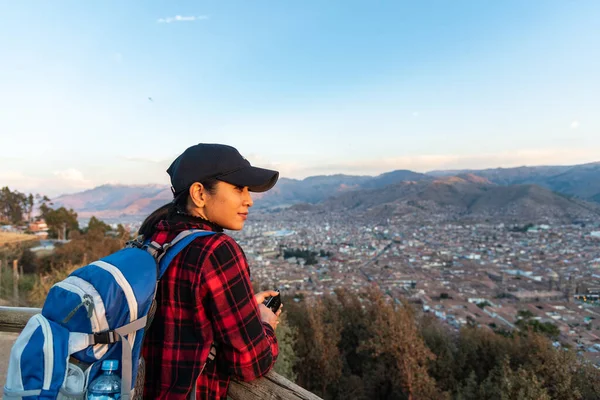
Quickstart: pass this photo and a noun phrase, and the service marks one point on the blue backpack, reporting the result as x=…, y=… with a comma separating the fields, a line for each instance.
x=99, y=312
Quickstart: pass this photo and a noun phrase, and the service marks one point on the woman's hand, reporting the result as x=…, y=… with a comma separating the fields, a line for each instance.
x=266, y=315
x=261, y=296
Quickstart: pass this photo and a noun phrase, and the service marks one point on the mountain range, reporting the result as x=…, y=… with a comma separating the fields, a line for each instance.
x=562, y=192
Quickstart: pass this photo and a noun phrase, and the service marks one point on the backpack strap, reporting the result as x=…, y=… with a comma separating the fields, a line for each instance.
x=165, y=253
x=118, y=335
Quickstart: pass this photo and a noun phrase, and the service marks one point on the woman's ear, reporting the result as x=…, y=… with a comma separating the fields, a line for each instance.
x=198, y=195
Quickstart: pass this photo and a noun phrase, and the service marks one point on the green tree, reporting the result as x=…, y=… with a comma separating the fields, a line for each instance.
x=12, y=205
x=97, y=226
x=483, y=304
x=526, y=322
x=469, y=390
x=521, y=384
x=555, y=369
x=28, y=205
x=587, y=381
x=286, y=337
x=440, y=341
x=29, y=262
x=480, y=351
x=354, y=331
x=525, y=314
x=61, y=222
x=319, y=364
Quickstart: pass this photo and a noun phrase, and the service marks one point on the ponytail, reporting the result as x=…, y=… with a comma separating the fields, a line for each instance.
x=148, y=226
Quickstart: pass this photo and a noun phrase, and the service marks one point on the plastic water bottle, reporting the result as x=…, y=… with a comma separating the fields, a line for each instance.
x=108, y=385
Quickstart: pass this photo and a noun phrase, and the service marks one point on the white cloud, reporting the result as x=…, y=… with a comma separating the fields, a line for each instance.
x=71, y=175
x=18, y=180
x=575, y=124
x=67, y=180
x=182, y=18
x=49, y=184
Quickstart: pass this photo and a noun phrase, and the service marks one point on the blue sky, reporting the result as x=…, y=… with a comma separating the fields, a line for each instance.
x=307, y=87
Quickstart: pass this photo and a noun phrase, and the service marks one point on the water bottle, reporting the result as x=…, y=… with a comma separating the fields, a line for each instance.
x=108, y=385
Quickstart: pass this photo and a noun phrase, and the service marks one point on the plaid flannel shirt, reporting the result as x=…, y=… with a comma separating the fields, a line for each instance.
x=204, y=296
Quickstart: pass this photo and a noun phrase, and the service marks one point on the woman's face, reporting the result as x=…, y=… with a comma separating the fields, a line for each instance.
x=228, y=206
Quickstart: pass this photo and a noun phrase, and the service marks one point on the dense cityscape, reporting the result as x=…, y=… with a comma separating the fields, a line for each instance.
x=490, y=275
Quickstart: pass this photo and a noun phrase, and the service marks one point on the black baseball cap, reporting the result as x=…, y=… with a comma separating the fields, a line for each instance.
x=218, y=161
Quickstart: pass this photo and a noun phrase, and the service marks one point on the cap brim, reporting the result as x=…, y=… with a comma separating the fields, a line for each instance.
x=257, y=179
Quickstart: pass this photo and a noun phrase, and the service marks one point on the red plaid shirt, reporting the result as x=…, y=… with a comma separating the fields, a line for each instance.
x=204, y=296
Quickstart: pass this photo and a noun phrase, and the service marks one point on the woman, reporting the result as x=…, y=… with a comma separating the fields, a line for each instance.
x=205, y=295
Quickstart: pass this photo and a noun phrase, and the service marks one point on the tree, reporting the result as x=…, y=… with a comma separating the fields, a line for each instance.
x=286, y=337
x=98, y=227
x=525, y=314
x=555, y=369
x=319, y=366
x=483, y=304
x=521, y=384
x=586, y=380
x=60, y=222
x=526, y=322
x=29, y=203
x=470, y=389
x=441, y=342
x=29, y=261
x=400, y=354
x=123, y=233
x=480, y=351
x=12, y=205
x=354, y=331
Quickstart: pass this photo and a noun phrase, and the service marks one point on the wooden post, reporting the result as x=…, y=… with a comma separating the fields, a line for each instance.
x=16, y=282
x=5, y=264
x=1, y=267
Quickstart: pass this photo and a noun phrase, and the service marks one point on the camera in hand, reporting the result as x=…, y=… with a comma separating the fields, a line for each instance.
x=274, y=302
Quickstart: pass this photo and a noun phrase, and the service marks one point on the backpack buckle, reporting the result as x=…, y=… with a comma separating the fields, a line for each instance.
x=155, y=249
x=107, y=337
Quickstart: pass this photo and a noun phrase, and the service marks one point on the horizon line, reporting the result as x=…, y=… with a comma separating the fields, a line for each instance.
x=454, y=170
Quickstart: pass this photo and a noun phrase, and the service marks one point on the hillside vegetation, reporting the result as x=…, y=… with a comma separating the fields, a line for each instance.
x=368, y=346
x=12, y=238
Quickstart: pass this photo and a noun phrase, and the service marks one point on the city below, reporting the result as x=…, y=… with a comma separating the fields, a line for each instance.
x=486, y=274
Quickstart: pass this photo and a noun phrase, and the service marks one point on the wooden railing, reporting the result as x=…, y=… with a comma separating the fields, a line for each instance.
x=270, y=387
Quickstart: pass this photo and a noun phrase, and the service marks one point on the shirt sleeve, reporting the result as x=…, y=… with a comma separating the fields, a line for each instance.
x=248, y=346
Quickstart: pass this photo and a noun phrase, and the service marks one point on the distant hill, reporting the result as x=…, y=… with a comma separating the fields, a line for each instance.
x=309, y=190
x=390, y=178
x=582, y=181
x=455, y=198
x=112, y=201
x=465, y=190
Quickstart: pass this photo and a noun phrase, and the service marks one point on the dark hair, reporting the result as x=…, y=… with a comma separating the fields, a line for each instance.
x=179, y=203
